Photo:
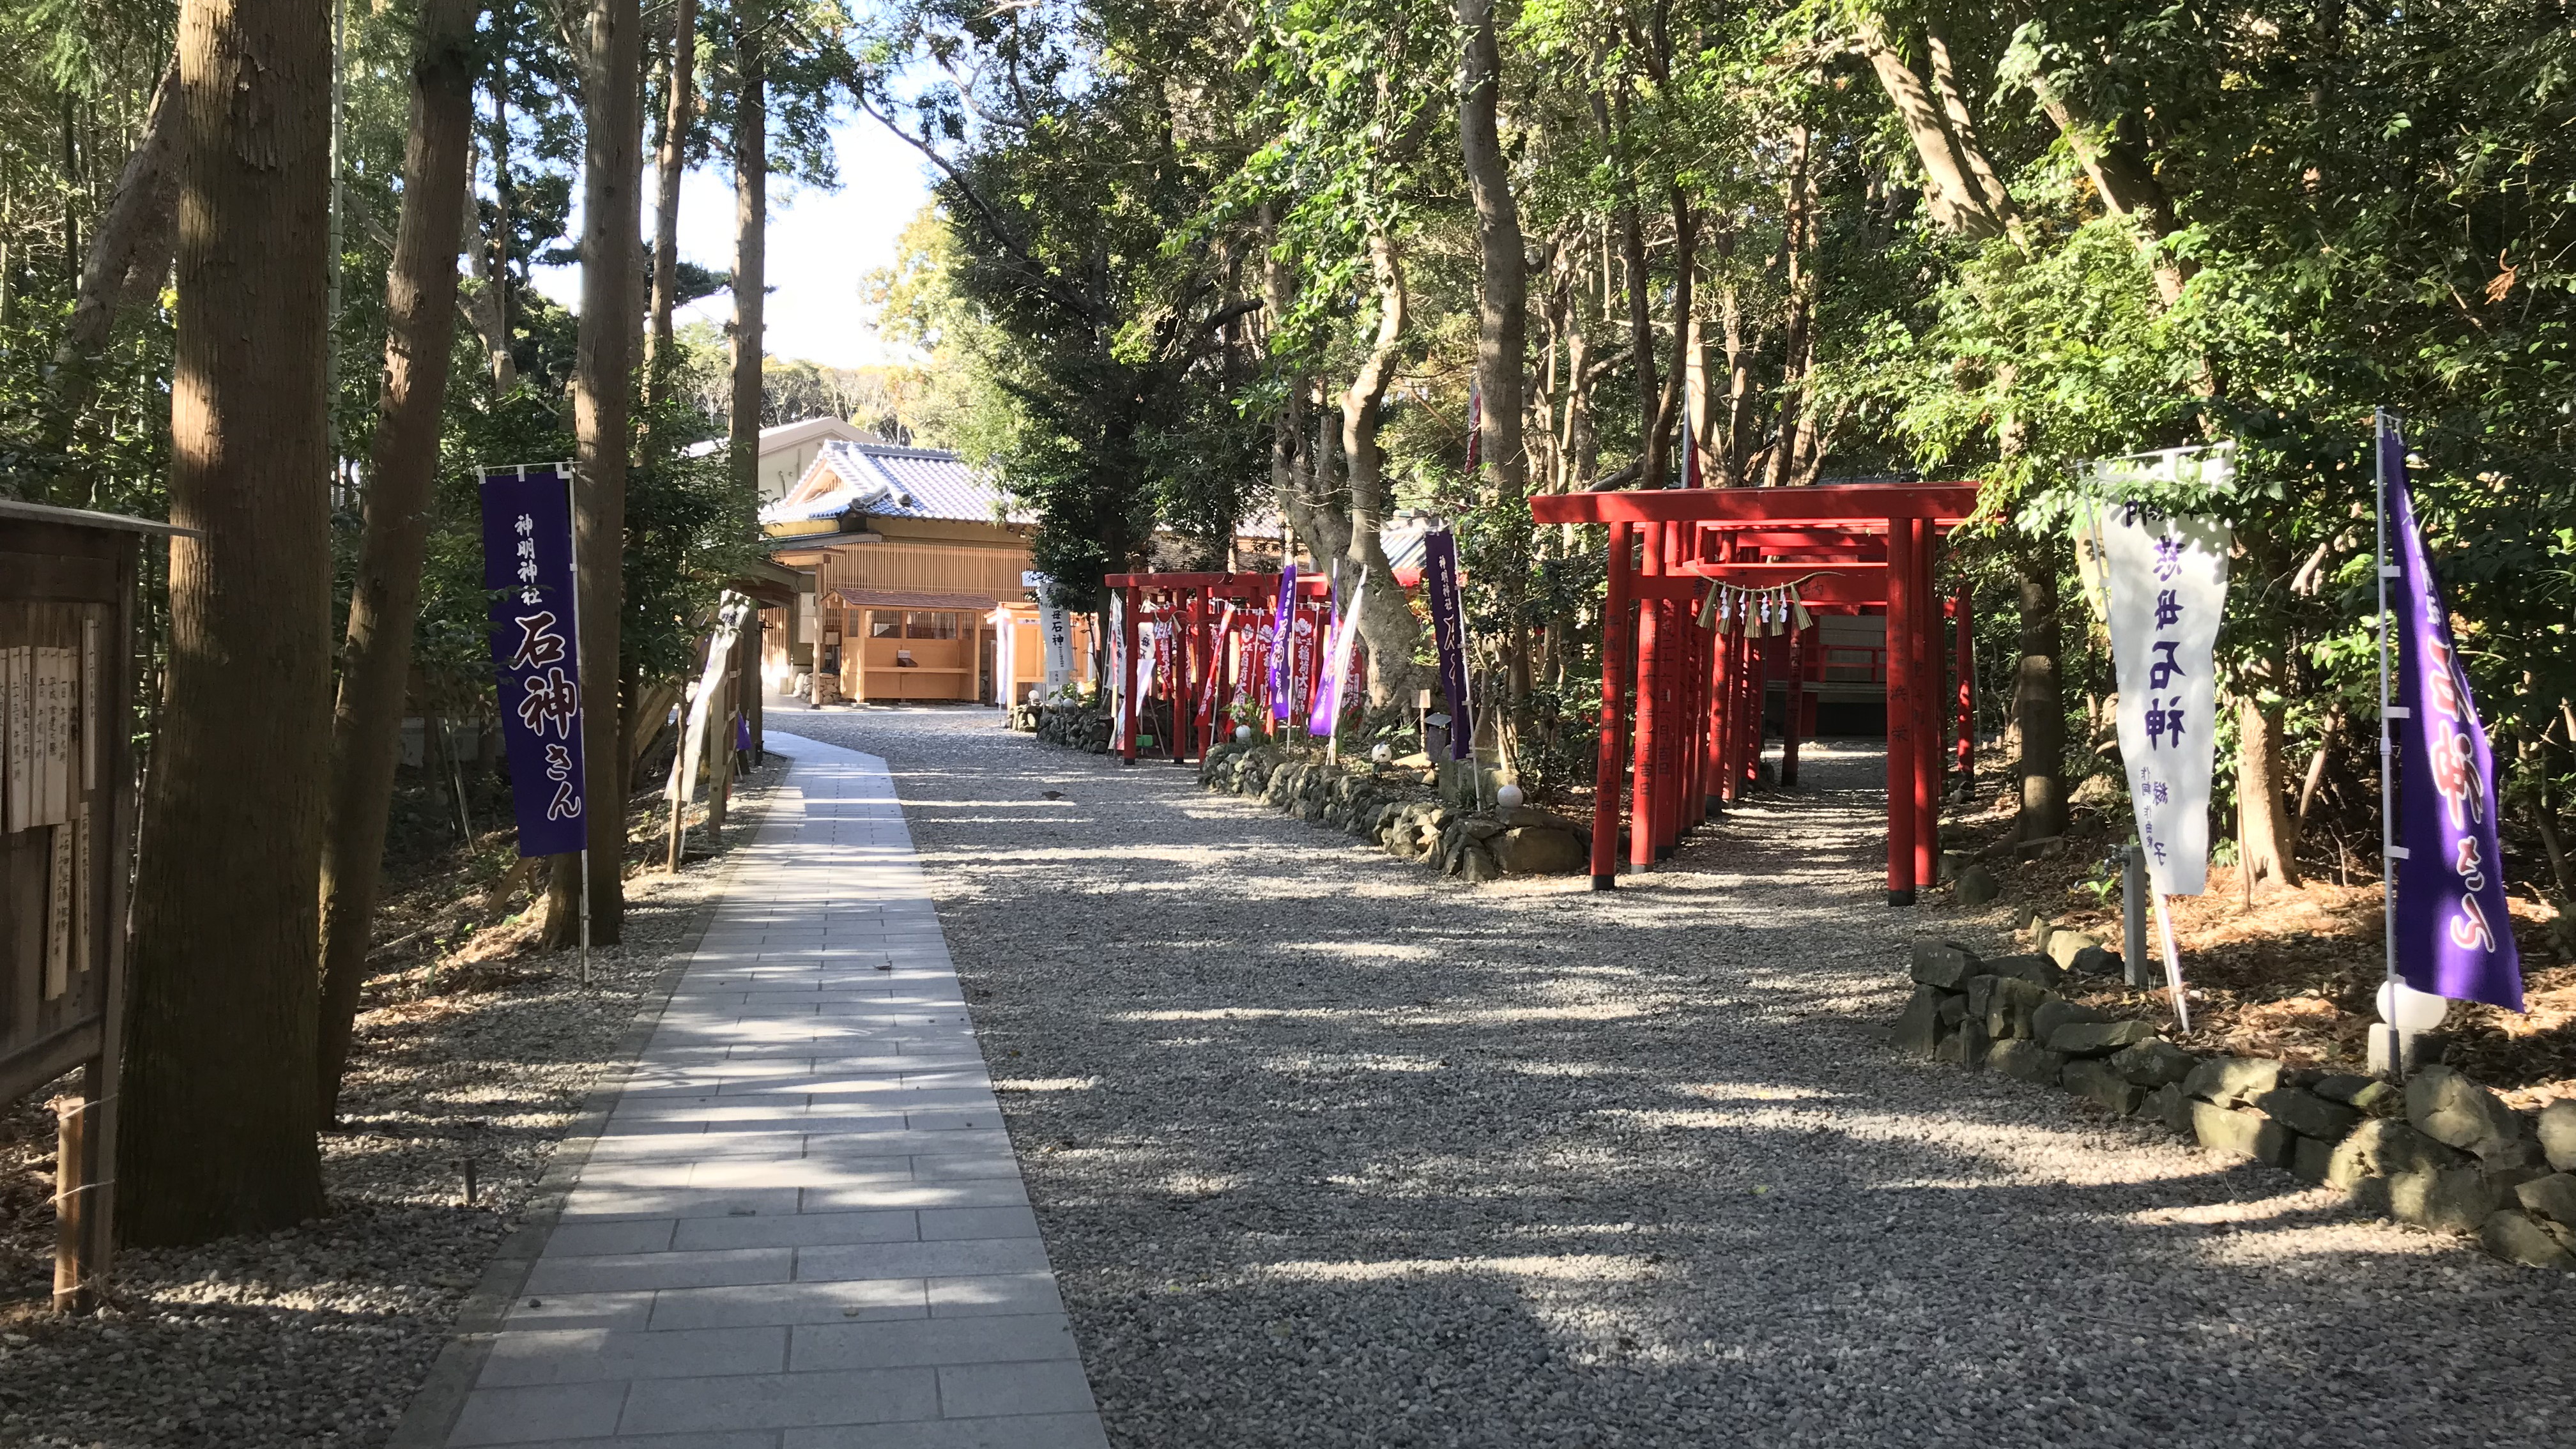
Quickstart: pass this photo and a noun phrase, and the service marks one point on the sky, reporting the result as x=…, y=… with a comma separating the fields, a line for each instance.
x=820, y=244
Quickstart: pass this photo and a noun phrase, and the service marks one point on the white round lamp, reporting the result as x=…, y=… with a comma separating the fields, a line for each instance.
x=2410, y=1010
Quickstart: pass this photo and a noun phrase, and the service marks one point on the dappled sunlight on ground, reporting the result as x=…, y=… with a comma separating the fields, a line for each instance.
x=1318, y=1138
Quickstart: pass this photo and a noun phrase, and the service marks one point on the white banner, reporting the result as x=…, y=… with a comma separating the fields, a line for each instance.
x=1055, y=622
x=2161, y=581
x=1120, y=684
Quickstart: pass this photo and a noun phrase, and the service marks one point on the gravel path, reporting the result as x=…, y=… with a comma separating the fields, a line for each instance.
x=1330, y=1152
x=318, y=1337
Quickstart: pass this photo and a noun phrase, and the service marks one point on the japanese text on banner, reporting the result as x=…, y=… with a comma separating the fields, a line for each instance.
x=536, y=657
x=2162, y=581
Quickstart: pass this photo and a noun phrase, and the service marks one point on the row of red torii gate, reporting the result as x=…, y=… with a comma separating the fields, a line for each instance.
x=1683, y=683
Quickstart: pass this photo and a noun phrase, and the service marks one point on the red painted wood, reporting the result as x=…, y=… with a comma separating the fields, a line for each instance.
x=1610, y=751
x=1825, y=506
x=1901, y=754
x=1645, y=802
x=1928, y=693
x=1793, y=708
x=1963, y=652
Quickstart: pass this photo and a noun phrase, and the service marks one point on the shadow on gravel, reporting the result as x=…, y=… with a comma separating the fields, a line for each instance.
x=1330, y=1152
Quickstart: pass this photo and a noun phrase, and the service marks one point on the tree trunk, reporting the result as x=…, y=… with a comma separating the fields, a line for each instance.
x=1316, y=514
x=2039, y=701
x=750, y=217
x=1641, y=350
x=487, y=306
x=2270, y=846
x=2316, y=774
x=612, y=113
x=679, y=105
x=1502, y=324
x=1961, y=188
x=220, y=1116
x=129, y=254
x=1799, y=247
x=1386, y=621
x=420, y=310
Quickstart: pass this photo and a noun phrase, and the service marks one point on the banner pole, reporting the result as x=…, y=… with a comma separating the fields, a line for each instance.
x=2173, y=962
x=2379, y=440
x=572, y=514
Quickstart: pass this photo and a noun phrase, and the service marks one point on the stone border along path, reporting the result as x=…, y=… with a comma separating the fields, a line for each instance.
x=802, y=1226
x=1331, y=1151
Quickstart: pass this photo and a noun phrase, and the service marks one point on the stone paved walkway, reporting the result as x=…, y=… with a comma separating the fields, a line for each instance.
x=803, y=1227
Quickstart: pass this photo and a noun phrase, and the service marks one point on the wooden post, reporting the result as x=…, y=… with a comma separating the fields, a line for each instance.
x=1691, y=712
x=1669, y=647
x=854, y=655
x=1901, y=754
x=1766, y=652
x=1185, y=695
x=73, y=1188
x=1713, y=722
x=754, y=698
x=1670, y=705
x=1743, y=726
x=1614, y=713
x=1963, y=657
x=1645, y=811
x=719, y=760
x=1927, y=710
x=1794, y=708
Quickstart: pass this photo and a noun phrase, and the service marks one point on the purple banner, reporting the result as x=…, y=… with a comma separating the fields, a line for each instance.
x=527, y=560
x=1449, y=632
x=2453, y=930
x=1283, y=623
x=1328, y=693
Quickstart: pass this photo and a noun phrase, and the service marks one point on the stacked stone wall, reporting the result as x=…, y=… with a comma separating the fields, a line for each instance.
x=2440, y=1152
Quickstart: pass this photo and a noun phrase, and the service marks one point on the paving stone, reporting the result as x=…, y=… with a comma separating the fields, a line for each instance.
x=803, y=1214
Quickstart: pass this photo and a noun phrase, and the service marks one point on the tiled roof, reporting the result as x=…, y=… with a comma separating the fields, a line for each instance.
x=885, y=481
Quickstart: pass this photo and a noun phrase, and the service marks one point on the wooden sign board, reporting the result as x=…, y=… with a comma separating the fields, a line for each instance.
x=66, y=821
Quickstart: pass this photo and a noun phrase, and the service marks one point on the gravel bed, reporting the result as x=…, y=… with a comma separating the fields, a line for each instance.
x=1328, y=1151
x=321, y=1335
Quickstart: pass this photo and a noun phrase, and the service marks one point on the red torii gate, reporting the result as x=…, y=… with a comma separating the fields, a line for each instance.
x=1699, y=694
x=1190, y=600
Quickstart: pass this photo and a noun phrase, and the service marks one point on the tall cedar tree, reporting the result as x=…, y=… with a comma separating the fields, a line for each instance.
x=750, y=221
x=220, y=1117
x=611, y=242
x=420, y=313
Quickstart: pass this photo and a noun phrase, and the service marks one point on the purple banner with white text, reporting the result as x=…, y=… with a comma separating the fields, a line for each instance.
x=2453, y=929
x=1283, y=624
x=527, y=560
